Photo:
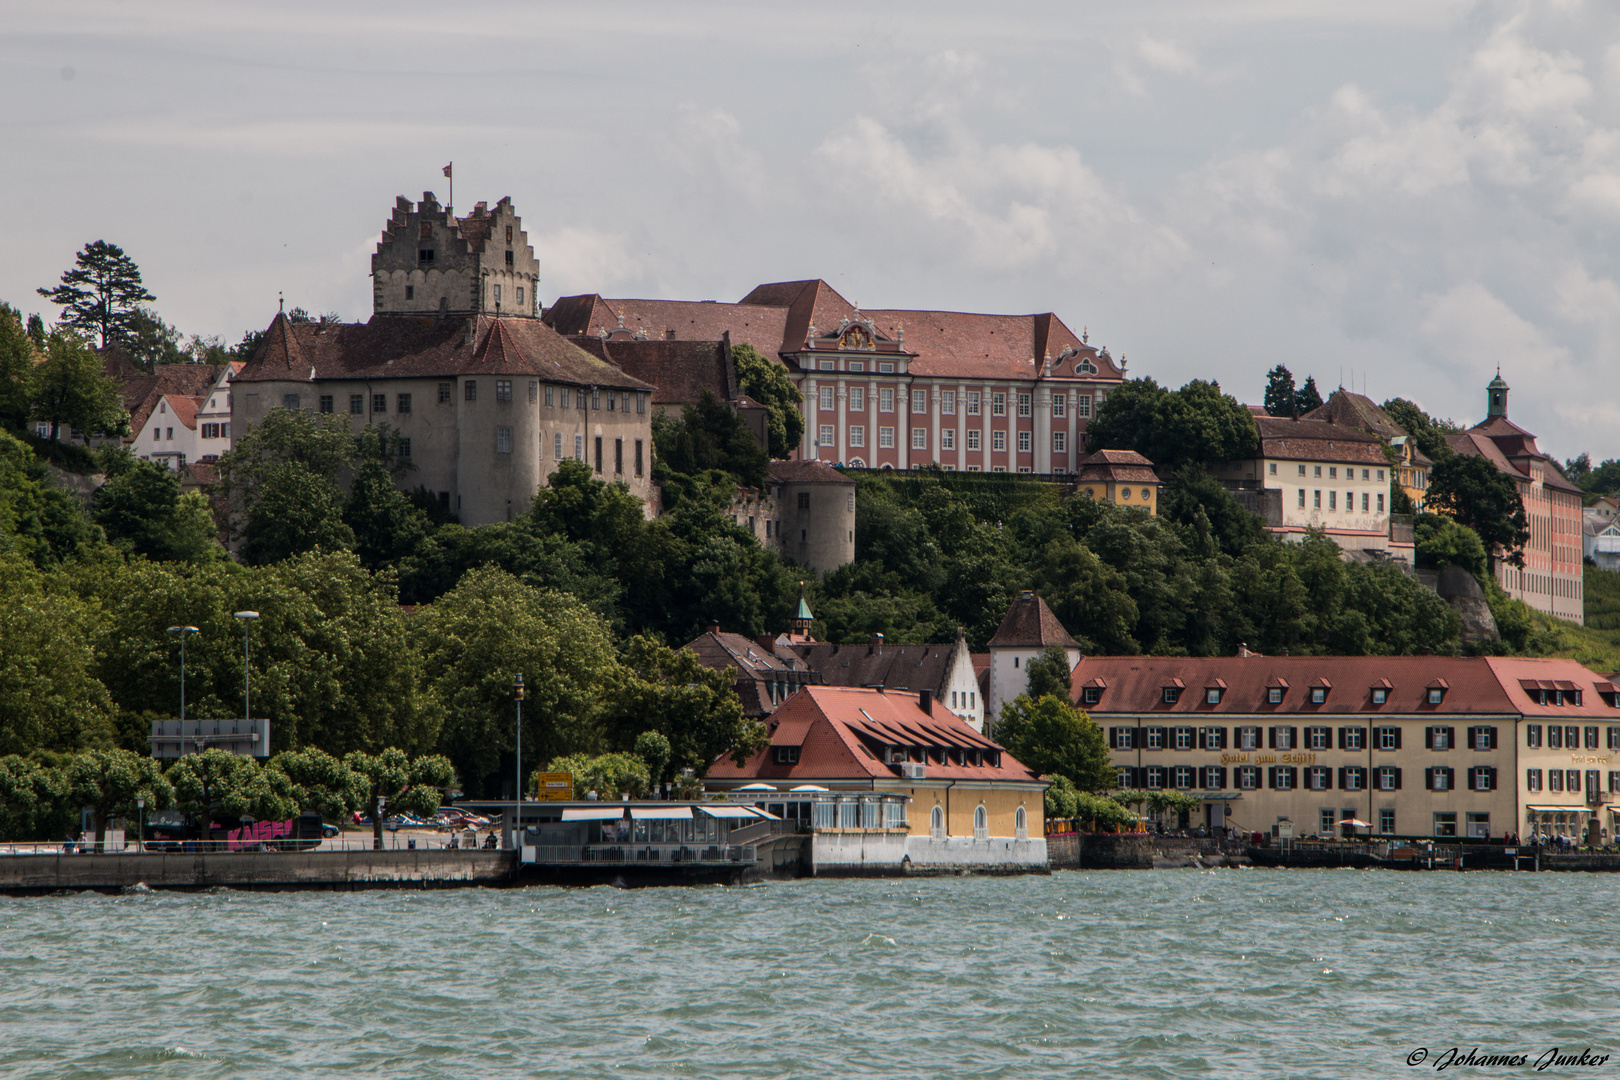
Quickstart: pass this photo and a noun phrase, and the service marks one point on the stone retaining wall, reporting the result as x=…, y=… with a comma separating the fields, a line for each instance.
x=22, y=874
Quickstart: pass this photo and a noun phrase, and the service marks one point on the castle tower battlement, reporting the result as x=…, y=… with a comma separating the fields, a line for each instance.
x=429, y=261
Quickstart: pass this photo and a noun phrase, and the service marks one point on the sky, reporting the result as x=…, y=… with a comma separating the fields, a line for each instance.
x=1395, y=196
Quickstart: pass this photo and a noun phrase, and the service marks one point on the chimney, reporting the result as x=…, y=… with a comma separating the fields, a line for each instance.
x=875, y=644
x=714, y=628
x=925, y=701
x=766, y=642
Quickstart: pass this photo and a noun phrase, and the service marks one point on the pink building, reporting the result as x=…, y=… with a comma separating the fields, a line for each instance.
x=895, y=389
x=1551, y=578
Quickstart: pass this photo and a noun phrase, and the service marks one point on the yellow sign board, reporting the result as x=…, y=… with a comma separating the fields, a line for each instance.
x=555, y=787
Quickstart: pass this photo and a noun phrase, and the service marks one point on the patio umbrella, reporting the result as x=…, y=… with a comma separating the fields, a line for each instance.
x=1355, y=823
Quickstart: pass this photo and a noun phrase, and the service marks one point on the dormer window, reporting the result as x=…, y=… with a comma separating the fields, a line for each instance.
x=1091, y=695
x=1172, y=694
x=1436, y=695
x=787, y=755
x=1379, y=695
x=1212, y=695
x=1318, y=695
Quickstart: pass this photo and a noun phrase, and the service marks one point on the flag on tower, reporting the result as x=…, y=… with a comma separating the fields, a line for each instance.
x=447, y=169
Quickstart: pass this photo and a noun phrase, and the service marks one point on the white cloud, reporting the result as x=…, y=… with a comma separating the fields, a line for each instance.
x=579, y=259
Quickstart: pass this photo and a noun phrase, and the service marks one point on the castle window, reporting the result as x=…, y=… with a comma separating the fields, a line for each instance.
x=618, y=458
x=410, y=292
x=509, y=234
x=357, y=404
x=641, y=404
x=425, y=255
x=508, y=263
x=497, y=289
x=804, y=500
x=520, y=296
x=579, y=448
x=379, y=403
x=534, y=391
x=469, y=390
x=503, y=389
x=444, y=393
x=503, y=440
x=556, y=446
x=326, y=403
x=403, y=403
x=596, y=401
x=638, y=473
x=405, y=449
x=599, y=454
x=288, y=401
x=550, y=396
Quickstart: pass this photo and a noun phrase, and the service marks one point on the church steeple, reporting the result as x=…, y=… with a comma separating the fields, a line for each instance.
x=1496, y=392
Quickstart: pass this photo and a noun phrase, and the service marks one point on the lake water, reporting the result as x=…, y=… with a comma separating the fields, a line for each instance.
x=1225, y=973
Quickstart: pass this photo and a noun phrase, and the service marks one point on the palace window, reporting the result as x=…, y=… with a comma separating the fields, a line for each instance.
x=1060, y=405
x=885, y=438
x=1023, y=442
x=826, y=399
x=886, y=400
x=973, y=439
x=919, y=438
x=919, y=401
x=857, y=399
x=857, y=436
x=1023, y=405
x=998, y=404
x=1060, y=442
x=824, y=435
x=998, y=440
x=1082, y=405
x=973, y=403
x=947, y=439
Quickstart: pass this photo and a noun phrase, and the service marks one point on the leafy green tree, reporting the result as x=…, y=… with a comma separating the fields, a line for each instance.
x=672, y=696
x=18, y=356
x=291, y=454
x=1441, y=542
x=1472, y=491
x=1050, y=735
x=609, y=775
x=1308, y=398
x=149, y=341
x=293, y=511
x=49, y=698
x=1062, y=798
x=472, y=642
x=862, y=598
x=1576, y=468
x=1197, y=500
x=386, y=526
x=1196, y=423
x=322, y=782
x=233, y=786
x=544, y=561
x=102, y=293
x=1602, y=479
x=1102, y=812
x=110, y=781
x=1429, y=433
x=38, y=520
x=31, y=798
x=1049, y=675
x=36, y=331
x=653, y=748
x=709, y=436
x=70, y=388
x=768, y=384
x=410, y=786
x=142, y=508
x=1282, y=397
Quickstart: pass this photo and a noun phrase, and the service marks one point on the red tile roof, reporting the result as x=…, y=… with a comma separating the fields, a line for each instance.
x=1357, y=411
x=409, y=346
x=1029, y=623
x=1477, y=685
x=1317, y=440
x=1511, y=449
x=1124, y=466
x=839, y=732
x=682, y=370
x=806, y=472
x=895, y=667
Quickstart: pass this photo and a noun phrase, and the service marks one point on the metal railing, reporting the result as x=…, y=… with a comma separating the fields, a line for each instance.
x=200, y=847
x=639, y=854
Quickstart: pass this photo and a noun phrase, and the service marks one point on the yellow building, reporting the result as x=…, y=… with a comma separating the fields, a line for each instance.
x=1122, y=477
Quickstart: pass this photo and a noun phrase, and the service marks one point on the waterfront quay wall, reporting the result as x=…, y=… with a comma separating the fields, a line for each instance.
x=894, y=852
x=1100, y=851
x=256, y=870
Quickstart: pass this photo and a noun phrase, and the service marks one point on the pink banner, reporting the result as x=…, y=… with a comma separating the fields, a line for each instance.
x=249, y=836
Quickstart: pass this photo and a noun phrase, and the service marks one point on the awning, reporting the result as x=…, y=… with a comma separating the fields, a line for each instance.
x=729, y=811
x=661, y=813
x=592, y=813
x=1560, y=809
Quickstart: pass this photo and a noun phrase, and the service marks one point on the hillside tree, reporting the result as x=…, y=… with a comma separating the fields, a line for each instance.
x=102, y=294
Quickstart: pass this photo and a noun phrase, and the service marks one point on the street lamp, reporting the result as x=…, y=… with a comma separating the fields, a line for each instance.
x=140, y=806
x=517, y=695
x=182, y=631
x=247, y=618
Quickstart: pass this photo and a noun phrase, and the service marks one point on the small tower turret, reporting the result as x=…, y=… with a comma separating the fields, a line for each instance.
x=1496, y=392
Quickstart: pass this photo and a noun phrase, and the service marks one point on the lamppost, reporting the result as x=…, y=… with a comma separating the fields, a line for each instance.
x=517, y=695
x=140, y=844
x=182, y=631
x=247, y=618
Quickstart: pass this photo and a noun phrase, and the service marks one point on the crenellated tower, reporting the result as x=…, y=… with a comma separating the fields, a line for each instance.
x=430, y=261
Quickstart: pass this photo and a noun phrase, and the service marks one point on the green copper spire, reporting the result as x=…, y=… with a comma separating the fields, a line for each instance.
x=1496, y=392
x=804, y=610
